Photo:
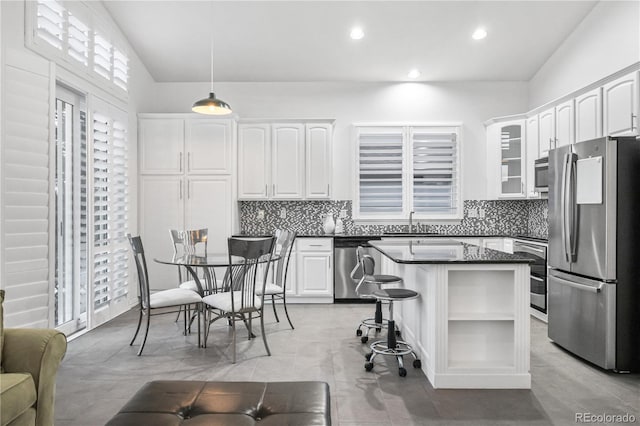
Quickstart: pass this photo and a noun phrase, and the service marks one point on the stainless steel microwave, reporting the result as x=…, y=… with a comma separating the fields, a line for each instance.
x=541, y=174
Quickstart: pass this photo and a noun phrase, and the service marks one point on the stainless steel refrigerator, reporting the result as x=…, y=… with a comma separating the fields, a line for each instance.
x=594, y=248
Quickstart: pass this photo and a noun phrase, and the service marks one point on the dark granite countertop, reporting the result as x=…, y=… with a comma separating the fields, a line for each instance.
x=403, y=235
x=426, y=250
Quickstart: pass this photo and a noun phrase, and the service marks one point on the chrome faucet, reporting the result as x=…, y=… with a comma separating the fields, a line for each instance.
x=411, y=221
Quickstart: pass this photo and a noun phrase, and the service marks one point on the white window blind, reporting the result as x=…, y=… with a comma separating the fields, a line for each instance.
x=102, y=56
x=380, y=164
x=25, y=215
x=78, y=40
x=120, y=69
x=408, y=168
x=72, y=39
x=110, y=210
x=50, y=21
x=435, y=172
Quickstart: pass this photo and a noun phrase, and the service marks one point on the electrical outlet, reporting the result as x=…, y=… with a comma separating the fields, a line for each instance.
x=343, y=213
x=481, y=212
x=283, y=213
x=260, y=214
x=472, y=212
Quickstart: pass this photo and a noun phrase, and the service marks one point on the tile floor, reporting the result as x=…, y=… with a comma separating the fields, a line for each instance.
x=101, y=371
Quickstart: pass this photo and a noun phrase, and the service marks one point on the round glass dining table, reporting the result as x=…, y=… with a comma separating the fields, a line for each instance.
x=208, y=263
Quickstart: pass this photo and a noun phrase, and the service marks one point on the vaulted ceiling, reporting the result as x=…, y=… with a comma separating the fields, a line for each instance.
x=275, y=41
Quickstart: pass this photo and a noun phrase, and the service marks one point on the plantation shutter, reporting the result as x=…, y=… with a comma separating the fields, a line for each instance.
x=78, y=40
x=102, y=56
x=120, y=69
x=435, y=171
x=110, y=212
x=50, y=22
x=66, y=32
x=25, y=170
x=380, y=166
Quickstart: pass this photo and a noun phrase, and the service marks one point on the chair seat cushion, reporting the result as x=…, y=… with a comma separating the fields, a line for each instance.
x=270, y=289
x=189, y=285
x=395, y=293
x=173, y=297
x=382, y=279
x=222, y=301
x=18, y=394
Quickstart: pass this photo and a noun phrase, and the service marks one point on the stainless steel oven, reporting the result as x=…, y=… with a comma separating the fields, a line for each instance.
x=541, y=174
x=538, y=287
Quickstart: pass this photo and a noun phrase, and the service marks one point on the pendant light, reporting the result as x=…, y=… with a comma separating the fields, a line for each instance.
x=211, y=105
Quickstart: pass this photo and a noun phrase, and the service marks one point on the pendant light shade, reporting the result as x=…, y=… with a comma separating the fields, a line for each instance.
x=211, y=106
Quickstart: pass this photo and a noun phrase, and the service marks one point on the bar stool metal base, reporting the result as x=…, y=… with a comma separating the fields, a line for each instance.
x=378, y=323
x=392, y=347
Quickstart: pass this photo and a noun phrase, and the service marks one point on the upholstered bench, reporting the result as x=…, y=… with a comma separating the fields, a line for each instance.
x=163, y=403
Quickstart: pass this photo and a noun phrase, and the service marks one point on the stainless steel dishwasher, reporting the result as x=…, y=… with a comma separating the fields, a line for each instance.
x=344, y=251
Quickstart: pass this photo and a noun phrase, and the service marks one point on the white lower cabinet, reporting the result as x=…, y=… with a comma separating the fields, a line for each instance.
x=313, y=271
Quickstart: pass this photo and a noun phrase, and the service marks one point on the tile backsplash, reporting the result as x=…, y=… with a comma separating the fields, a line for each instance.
x=501, y=217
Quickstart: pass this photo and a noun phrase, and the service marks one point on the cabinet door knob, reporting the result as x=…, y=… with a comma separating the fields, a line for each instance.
x=180, y=161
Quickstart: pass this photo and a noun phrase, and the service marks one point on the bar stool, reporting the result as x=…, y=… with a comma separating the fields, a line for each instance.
x=392, y=346
x=367, y=264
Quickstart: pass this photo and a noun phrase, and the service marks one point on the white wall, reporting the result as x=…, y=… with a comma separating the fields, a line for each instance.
x=606, y=41
x=471, y=103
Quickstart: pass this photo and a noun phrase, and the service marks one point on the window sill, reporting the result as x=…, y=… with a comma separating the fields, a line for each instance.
x=416, y=220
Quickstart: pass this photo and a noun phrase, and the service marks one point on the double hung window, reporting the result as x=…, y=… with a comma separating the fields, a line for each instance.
x=403, y=169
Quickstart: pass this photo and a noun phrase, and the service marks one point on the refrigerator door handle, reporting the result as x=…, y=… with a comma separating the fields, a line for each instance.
x=573, y=211
x=592, y=289
x=563, y=208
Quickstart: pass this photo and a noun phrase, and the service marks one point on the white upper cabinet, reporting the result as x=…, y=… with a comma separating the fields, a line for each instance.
x=287, y=161
x=531, y=137
x=161, y=146
x=284, y=161
x=588, y=113
x=318, y=151
x=546, y=132
x=620, y=100
x=506, y=165
x=564, y=124
x=178, y=145
x=254, y=147
x=208, y=147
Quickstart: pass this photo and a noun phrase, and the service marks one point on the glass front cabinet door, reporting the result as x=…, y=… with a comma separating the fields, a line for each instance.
x=506, y=154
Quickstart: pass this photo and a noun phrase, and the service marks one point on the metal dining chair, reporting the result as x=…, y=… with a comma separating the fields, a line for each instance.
x=249, y=261
x=276, y=287
x=148, y=302
x=188, y=242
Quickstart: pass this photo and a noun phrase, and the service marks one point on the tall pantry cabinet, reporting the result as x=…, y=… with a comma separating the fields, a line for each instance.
x=186, y=182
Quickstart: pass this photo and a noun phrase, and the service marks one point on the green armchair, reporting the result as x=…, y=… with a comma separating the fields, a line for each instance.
x=29, y=360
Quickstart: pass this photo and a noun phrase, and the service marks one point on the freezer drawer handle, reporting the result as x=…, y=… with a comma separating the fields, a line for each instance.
x=581, y=286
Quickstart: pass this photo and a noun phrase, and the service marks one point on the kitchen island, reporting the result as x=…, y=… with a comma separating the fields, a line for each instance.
x=470, y=325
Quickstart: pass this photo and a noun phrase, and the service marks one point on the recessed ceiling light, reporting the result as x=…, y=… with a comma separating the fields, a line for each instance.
x=479, y=34
x=356, y=33
x=414, y=73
